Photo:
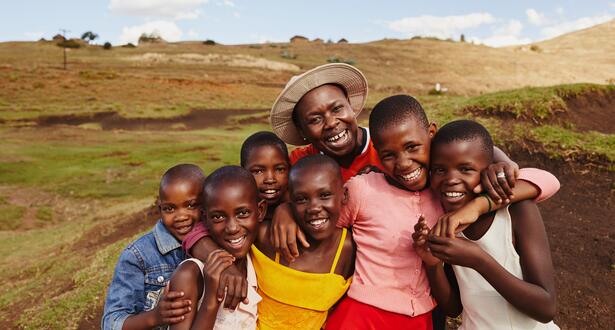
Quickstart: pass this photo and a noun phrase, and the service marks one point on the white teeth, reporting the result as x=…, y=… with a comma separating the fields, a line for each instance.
x=453, y=194
x=270, y=191
x=318, y=222
x=337, y=137
x=237, y=241
x=412, y=175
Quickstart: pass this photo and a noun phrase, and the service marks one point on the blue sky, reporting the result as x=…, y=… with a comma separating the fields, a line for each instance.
x=495, y=23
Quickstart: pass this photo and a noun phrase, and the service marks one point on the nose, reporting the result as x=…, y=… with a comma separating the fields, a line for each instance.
x=403, y=163
x=330, y=121
x=314, y=207
x=232, y=226
x=269, y=177
x=451, y=178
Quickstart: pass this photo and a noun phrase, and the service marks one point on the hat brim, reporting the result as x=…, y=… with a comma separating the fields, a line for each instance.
x=347, y=76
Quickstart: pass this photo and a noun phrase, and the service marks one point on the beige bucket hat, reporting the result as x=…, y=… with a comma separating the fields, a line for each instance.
x=347, y=76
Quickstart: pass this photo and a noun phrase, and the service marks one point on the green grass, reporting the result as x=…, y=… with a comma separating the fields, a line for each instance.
x=10, y=216
x=564, y=142
x=531, y=103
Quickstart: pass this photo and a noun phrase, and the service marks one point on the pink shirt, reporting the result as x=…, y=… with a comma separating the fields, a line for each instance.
x=388, y=273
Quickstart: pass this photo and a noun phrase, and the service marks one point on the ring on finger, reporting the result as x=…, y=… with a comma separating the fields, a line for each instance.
x=501, y=175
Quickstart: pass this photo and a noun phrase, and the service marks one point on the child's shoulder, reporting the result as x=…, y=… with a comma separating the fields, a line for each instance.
x=366, y=180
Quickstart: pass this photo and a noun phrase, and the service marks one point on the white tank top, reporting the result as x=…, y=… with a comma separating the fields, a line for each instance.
x=483, y=306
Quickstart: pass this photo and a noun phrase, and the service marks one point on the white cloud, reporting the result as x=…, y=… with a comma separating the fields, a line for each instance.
x=176, y=9
x=535, y=17
x=559, y=11
x=505, y=35
x=169, y=31
x=612, y=4
x=228, y=3
x=578, y=24
x=236, y=14
x=440, y=26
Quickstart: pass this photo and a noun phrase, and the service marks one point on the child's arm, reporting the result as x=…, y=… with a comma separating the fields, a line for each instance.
x=535, y=294
x=533, y=184
x=284, y=233
x=446, y=295
x=126, y=294
x=217, y=261
x=187, y=278
x=231, y=278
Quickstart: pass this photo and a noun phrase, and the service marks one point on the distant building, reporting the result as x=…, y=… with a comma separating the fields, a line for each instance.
x=342, y=41
x=318, y=41
x=299, y=40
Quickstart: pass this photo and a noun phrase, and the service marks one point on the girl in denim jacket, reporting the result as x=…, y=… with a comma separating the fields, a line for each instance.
x=136, y=298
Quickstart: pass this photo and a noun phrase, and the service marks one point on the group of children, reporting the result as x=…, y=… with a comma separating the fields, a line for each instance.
x=376, y=257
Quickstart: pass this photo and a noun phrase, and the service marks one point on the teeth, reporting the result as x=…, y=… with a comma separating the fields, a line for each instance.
x=318, y=222
x=270, y=191
x=237, y=240
x=412, y=175
x=337, y=137
x=453, y=194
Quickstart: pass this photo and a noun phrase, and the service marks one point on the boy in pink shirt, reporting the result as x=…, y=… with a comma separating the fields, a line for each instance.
x=390, y=286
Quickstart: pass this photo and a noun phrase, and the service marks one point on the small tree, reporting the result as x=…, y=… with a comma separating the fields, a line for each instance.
x=107, y=45
x=89, y=36
x=462, y=38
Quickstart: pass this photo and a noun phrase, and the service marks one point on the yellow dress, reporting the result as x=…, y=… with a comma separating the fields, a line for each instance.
x=294, y=299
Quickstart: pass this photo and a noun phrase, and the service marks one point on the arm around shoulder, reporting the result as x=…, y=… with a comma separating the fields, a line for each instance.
x=546, y=183
x=187, y=278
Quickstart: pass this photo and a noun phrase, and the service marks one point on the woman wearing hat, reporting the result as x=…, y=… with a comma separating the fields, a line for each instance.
x=319, y=109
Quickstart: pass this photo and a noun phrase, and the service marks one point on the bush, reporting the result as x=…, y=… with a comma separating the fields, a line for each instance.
x=129, y=45
x=209, y=42
x=107, y=45
x=69, y=44
x=535, y=48
x=335, y=59
x=288, y=55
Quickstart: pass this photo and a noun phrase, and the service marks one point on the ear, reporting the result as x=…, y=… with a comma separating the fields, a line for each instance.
x=158, y=202
x=345, y=200
x=433, y=128
x=262, y=210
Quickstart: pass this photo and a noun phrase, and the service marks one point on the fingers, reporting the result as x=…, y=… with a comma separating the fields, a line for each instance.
x=486, y=182
x=231, y=291
x=511, y=176
x=284, y=249
x=172, y=295
x=451, y=226
x=301, y=237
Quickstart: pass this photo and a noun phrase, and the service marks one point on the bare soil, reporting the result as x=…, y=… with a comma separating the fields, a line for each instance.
x=592, y=111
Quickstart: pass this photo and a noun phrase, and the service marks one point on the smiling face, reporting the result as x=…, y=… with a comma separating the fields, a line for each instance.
x=403, y=149
x=232, y=215
x=270, y=168
x=179, y=206
x=455, y=171
x=327, y=120
x=317, y=196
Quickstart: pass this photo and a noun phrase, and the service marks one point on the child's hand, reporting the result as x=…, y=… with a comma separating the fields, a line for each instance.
x=217, y=261
x=420, y=235
x=172, y=308
x=284, y=233
x=456, y=251
x=452, y=223
x=498, y=180
x=236, y=286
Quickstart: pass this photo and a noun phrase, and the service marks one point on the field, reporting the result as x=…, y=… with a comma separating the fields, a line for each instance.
x=83, y=148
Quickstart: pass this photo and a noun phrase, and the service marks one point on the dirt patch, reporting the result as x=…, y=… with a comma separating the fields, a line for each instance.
x=92, y=319
x=592, y=111
x=195, y=119
x=581, y=234
x=105, y=234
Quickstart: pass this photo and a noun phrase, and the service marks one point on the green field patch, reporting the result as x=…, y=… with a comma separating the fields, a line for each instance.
x=567, y=144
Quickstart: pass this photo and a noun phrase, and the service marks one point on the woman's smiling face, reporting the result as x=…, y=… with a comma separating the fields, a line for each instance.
x=327, y=120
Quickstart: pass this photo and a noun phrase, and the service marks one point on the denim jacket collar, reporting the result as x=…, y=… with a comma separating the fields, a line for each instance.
x=164, y=240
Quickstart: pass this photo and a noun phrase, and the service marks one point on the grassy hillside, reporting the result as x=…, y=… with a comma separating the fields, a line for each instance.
x=83, y=149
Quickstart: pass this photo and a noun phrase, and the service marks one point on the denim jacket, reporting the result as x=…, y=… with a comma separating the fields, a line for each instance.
x=143, y=270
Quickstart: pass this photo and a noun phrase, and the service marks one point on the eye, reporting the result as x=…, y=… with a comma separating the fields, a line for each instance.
x=466, y=169
x=217, y=218
x=315, y=120
x=325, y=195
x=257, y=171
x=338, y=109
x=387, y=156
x=411, y=147
x=437, y=170
x=193, y=205
x=281, y=169
x=300, y=200
x=167, y=208
x=243, y=213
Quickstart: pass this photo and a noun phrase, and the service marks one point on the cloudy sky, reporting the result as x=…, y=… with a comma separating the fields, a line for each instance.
x=495, y=23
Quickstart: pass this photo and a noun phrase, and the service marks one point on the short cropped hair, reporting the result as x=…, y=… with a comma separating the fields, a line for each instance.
x=465, y=130
x=315, y=163
x=228, y=175
x=187, y=172
x=258, y=140
x=395, y=109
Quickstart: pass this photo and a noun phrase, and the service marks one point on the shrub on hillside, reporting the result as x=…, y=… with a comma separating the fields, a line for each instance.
x=535, y=48
x=209, y=42
x=335, y=59
x=107, y=45
x=71, y=43
x=129, y=45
